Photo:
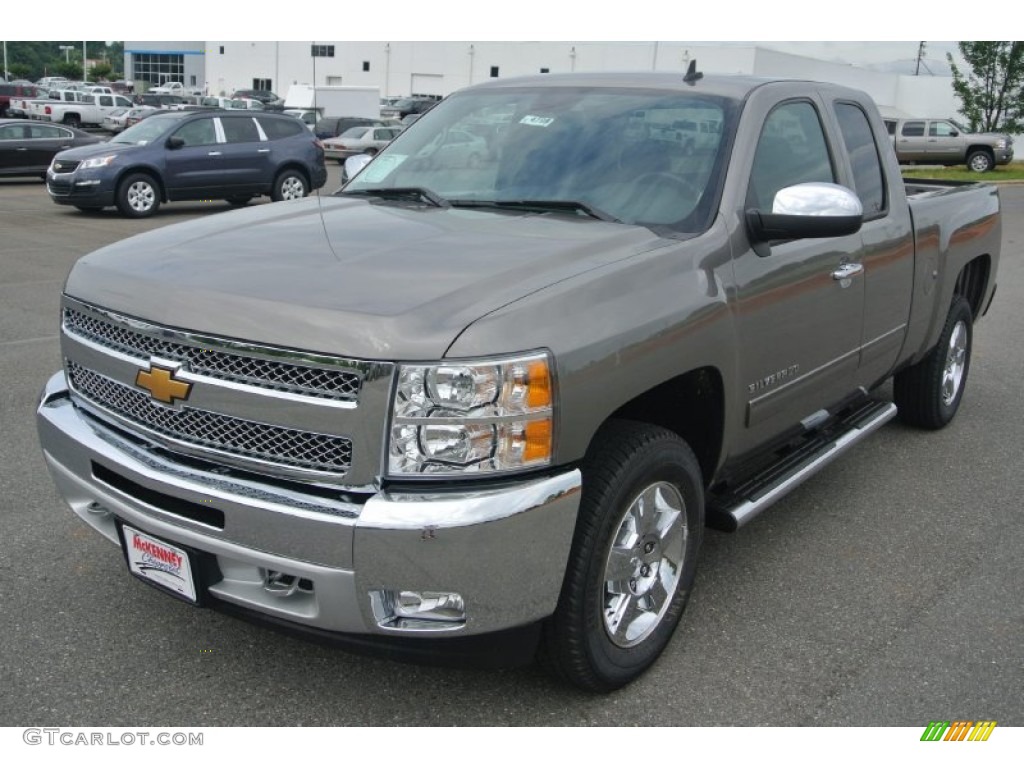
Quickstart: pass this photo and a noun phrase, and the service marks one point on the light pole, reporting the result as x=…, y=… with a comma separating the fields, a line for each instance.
x=67, y=52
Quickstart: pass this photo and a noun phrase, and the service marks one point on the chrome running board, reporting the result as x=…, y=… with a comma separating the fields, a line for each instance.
x=742, y=504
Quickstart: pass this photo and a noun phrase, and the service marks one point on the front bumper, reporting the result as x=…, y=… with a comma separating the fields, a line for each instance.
x=79, y=189
x=502, y=549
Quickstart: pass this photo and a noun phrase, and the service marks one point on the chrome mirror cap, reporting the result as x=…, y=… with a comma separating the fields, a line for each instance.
x=817, y=198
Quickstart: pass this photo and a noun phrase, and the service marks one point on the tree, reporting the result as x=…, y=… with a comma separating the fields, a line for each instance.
x=992, y=93
x=100, y=71
x=69, y=69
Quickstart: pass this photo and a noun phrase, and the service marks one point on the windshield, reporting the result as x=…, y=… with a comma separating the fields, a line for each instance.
x=148, y=130
x=632, y=155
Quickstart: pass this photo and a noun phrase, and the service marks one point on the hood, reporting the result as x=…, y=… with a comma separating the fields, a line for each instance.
x=99, y=149
x=348, y=277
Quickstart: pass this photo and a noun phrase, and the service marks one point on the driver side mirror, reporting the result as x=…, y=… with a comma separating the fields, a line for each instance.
x=813, y=209
x=175, y=142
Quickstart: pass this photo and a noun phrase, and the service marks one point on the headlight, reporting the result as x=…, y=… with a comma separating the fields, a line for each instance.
x=1000, y=143
x=98, y=162
x=455, y=418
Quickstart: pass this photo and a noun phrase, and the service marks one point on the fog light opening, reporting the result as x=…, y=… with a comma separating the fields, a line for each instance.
x=414, y=610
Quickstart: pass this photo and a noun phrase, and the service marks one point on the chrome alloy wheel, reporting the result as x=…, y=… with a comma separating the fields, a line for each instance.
x=956, y=355
x=644, y=564
x=141, y=196
x=292, y=188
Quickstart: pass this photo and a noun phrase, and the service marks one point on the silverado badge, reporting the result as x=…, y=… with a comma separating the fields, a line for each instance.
x=161, y=384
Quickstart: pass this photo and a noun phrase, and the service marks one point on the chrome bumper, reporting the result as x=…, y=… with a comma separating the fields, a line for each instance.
x=502, y=550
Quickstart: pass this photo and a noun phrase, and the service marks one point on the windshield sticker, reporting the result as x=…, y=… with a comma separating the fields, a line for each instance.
x=540, y=122
x=381, y=167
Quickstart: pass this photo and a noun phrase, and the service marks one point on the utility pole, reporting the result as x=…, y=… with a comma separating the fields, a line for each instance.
x=920, y=55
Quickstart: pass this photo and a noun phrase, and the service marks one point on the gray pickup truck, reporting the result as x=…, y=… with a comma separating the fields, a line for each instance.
x=485, y=410
x=944, y=142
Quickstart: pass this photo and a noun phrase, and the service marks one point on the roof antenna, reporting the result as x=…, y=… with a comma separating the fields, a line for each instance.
x=692, y=75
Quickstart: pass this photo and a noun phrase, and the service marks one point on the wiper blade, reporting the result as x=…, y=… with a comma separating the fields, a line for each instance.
x=401, y=193
x=573, y=206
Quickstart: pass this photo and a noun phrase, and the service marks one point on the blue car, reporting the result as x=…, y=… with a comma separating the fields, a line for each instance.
x=191, y=156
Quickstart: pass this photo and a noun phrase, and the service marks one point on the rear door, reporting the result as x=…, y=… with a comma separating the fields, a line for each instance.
x=246, y=154
x=888, y=244
x=46, y=141
x=799, y=323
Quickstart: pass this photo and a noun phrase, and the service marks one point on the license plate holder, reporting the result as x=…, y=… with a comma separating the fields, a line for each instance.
x=170, y=568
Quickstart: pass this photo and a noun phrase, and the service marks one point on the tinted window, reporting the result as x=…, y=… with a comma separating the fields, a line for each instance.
x=197, y=133
x=48, y=132
x=867, y=168
x=9, y=132
x=791, y=150
x=106, y=101
x=275, y=128
x=913, y=129
x=239, y=129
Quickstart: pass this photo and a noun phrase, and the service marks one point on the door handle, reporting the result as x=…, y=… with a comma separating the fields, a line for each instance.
x=263, y=151
x=213, y=154
x=846, y=271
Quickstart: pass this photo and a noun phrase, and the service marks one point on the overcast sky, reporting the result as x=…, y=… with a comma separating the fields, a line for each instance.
x=712, y=21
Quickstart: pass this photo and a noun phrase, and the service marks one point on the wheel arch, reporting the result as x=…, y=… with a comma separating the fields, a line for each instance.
x=972, y=282
x=292, y=165
x=149, y=171
x=692, y=405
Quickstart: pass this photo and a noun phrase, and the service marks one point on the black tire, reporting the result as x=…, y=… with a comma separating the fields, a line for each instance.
x=239, y=200
x=290, y=184
x=629, y=464
x=928, y=393
x=980, y=161
x=72, y=121
x=138, y=196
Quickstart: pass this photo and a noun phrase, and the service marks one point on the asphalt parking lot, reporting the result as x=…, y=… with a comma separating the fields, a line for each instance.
x=886, y=591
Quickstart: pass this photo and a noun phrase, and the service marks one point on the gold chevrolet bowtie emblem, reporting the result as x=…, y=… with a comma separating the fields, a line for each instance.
x=162, y=385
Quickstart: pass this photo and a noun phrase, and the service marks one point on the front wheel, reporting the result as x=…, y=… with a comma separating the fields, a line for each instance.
x=980, y=161
x=289, y=185
x=138, y=196
x=928, y=393
x=633, y=559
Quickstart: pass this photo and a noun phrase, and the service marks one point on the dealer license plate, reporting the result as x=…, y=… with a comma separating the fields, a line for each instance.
x=159, y=563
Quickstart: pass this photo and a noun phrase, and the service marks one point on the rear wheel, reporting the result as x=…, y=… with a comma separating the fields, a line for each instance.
x=72, y=121
x=289, y=185
x=138, y=196
x=928, y=394
x=633, y=558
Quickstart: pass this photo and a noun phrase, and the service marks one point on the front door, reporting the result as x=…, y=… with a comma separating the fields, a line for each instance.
x=798, y=318
x=197, y=166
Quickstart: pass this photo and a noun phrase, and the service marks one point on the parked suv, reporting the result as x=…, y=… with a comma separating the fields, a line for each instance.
x=191, y=156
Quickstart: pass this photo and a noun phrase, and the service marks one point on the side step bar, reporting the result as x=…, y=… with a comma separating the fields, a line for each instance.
x=744, y=503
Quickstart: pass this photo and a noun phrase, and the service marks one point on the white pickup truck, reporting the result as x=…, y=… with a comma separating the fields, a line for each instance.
x=89, y=110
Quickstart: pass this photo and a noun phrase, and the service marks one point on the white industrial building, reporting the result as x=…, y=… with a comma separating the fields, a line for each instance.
x=438, y=68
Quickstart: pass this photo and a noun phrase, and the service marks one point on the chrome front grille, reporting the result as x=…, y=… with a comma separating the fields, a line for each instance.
x=65, y=166
x=275, y=375
x=223, y=434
